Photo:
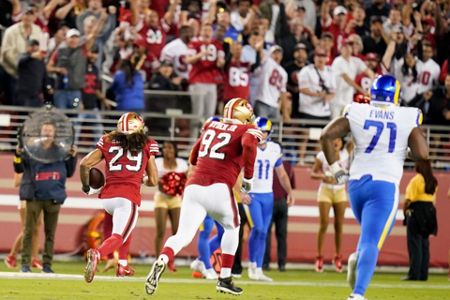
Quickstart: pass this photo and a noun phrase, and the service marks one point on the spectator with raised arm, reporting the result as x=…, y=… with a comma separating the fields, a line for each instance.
x=69, y=63
x=207, y=58
x=14, y=44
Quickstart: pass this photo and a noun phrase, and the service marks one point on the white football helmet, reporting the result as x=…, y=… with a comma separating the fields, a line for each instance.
x=129, y=123
x=239, y=109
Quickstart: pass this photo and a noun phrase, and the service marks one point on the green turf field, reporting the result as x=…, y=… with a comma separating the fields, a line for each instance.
x=292, y=284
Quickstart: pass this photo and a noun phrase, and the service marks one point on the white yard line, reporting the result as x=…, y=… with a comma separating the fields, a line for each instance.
x=338, y=284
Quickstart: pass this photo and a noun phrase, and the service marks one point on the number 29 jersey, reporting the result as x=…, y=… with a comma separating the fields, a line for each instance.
x=381, y=136
x=218, y=153
x=124, y=170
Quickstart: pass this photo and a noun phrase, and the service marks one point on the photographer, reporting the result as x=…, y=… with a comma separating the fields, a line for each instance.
x=43, y=187
x=316, y=84
x=420, y=219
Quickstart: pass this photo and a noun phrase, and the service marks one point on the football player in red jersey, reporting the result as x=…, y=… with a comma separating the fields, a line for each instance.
x=128, y=153
x=222, y=150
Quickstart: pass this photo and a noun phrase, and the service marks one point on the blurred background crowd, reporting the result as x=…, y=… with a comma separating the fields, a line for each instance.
x=291, y=58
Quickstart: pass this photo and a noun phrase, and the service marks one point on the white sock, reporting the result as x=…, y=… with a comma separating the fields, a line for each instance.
x=164, y=258
x=123, y=262
x=259, y=271
x=252, y=265
x=225, y=272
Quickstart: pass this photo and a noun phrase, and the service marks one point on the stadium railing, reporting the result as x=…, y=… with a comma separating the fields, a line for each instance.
x=174, y=125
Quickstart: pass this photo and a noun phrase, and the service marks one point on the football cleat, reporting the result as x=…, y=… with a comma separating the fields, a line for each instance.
x=151, y=283
x=198, y=266
x=239, y=109
x=123, y=271
x=252, y=272
x=225, y=285
x=130, y=123
x=11, y=261
x=262, y=277
x=351, y=269
x=356, y=297
x=93, y=256
x=210, y=274
x=337, y=261
x=319, y=264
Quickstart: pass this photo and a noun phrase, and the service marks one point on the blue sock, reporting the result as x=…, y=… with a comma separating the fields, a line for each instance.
x=203, y=242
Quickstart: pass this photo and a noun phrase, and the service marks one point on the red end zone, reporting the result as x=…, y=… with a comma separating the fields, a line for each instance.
x=302, y=228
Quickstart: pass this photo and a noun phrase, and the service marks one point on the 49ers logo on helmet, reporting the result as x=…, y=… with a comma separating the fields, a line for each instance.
x=129, y=123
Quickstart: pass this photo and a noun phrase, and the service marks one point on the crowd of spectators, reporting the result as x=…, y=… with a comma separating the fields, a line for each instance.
x=291, y=58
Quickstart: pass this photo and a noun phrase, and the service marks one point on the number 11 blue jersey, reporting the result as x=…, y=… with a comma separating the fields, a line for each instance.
x=381, y=136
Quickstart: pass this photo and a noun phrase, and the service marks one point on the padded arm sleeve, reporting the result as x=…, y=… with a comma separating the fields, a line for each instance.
x=249, y=144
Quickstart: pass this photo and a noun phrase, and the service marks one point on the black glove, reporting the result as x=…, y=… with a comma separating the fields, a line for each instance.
x=17, y=163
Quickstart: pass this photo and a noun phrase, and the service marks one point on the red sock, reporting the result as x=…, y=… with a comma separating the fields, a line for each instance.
x=123, y=250
x=110, y=244
x=227, y=260
x=107, y=230
x=170, y=254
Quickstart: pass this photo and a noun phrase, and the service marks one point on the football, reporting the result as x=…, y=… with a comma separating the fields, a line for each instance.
x=96, y=178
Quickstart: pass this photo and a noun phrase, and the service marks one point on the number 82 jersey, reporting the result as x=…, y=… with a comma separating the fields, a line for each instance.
x=124, y=169
x=381, y=136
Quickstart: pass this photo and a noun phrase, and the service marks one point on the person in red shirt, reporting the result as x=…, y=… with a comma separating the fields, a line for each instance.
x=128, y=154
x=336, y=25
x=236, y=76
x=223, y=149
x=206, y=57
x=364, y=80
x=152, y=32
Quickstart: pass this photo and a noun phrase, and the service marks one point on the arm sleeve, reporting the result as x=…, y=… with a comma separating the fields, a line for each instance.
x=194, y=153
x=153, y=148
x=249, y=144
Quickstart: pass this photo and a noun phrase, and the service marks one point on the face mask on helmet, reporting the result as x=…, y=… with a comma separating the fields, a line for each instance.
x=130, y=123
x=239, y=109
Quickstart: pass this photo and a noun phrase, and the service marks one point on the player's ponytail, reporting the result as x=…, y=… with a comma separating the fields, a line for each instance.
x=133, y=142
x=136, y=141
x=423, y=167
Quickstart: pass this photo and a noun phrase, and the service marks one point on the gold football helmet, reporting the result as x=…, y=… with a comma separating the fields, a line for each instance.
x=239, y=109
x=130, y=122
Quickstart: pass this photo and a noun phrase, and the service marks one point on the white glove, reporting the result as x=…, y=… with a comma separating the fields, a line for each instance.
x=91, y=191
x=339, y=173
x=246, y=185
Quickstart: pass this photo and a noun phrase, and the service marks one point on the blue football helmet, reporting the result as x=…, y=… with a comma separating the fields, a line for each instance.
x=385, y=88
x=264, y=124
x=213, y=119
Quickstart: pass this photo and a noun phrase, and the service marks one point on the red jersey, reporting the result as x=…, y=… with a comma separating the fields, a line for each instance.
x=223, y=149
x=205, y=70
x=236, y=81
x=124, y=170
x=154, y=38
x=364, y=81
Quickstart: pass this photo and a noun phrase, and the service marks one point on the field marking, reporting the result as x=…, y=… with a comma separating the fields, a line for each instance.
x=337, y=284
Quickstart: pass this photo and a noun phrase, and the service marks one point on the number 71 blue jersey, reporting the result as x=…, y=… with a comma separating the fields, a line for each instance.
x=381, y=136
